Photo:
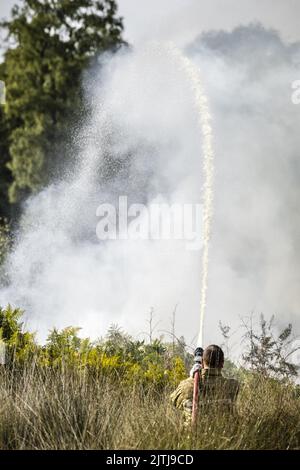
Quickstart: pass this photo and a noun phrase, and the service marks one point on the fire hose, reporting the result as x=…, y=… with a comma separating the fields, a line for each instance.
x=197, y=365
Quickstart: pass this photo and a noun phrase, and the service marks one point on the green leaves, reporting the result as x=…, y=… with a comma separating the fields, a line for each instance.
x=268, y=352
x=20, y=345
x=10, y=323
x=117, y=356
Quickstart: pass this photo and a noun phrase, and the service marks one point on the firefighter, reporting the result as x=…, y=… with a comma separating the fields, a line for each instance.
x=215, y=391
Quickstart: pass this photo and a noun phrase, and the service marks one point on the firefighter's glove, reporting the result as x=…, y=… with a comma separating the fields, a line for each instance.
x=196, y=368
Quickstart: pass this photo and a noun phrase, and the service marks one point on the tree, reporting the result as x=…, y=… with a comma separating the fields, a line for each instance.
x=5, y=176
x=268, y=352
x=54, y=40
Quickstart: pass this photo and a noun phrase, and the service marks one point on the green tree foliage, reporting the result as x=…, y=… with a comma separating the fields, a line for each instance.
x=117, y=355
x=20, y=344
x=65, y=346
x=5, y=176
x=53, y=41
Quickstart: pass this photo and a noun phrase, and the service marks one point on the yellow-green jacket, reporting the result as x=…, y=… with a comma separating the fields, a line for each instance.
x=215, y=391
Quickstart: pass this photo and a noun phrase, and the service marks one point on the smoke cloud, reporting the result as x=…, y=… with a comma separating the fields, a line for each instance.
x=254, y=265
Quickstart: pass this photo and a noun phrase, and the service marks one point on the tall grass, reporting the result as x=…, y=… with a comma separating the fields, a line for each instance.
x=71, y=408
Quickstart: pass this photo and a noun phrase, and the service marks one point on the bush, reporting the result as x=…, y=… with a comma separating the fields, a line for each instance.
x=114, y=393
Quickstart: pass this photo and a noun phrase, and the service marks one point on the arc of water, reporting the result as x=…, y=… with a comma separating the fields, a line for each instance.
x=202, y=106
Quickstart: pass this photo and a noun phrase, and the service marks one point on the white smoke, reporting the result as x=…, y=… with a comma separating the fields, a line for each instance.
x=142, y=140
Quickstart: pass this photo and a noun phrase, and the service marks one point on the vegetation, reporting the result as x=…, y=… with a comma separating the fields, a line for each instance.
x=50, y=44
x=114, y=394
x=5, y=240
x=117, y=355
x=269, y=353
x=72, y=393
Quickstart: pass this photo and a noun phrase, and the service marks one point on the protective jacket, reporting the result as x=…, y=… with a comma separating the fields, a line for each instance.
x=216, y=393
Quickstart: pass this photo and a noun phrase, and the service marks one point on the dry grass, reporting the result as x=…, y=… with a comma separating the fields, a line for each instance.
x=72, y=409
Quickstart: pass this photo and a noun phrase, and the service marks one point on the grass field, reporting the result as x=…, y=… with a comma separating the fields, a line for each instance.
x=71, y=393
x=82, y=409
